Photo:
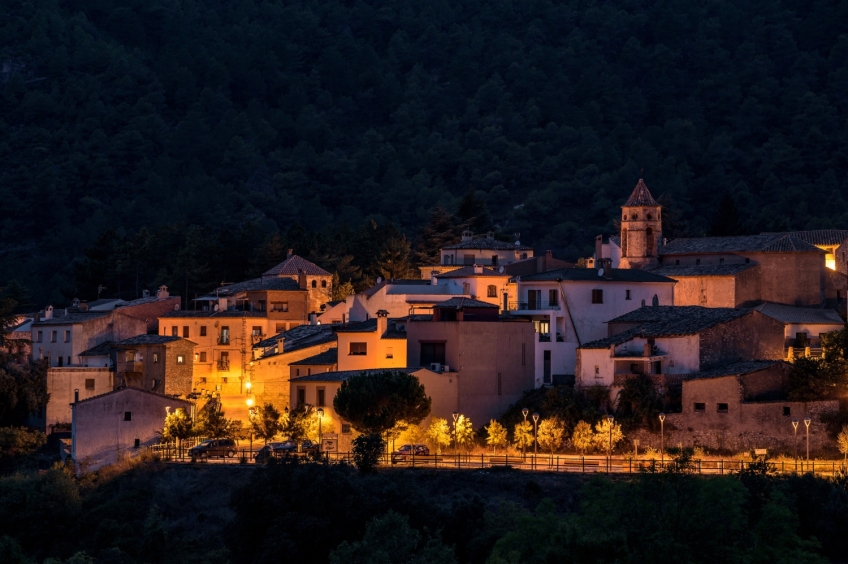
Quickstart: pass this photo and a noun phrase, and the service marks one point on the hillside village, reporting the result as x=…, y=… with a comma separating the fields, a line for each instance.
x=713, y=322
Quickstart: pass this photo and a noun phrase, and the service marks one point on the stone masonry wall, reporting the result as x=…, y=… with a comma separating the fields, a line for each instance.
x=750, y=337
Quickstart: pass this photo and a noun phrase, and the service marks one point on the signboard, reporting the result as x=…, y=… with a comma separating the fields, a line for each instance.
x=330, y=442
x=760, y=451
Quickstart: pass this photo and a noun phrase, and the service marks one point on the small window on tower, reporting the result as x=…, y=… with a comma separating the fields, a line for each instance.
x=314, y=284
x=649, y=216
x=635, y=216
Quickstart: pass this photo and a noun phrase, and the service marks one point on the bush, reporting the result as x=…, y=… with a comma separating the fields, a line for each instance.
x=367, y=450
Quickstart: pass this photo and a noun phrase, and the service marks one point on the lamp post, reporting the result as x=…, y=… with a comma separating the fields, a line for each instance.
x=320, y=412
x=807, y=422
x=455, y=417
x=251, y=415
x=795, y=432
x=524, y=412
x=535, y=435
x=610, y=419
x=662, y=439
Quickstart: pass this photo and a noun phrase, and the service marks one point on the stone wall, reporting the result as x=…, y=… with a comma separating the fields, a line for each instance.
x=178, y=377
x=750, y=337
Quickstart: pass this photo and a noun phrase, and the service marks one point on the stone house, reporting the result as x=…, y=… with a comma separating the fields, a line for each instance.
x=803, y=327
x=118, y=423
x=666, y=342
x=570, y=306
x=157, y=363
x=317, y=282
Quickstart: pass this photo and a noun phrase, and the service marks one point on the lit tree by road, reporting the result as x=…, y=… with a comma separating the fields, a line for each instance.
x=464, y=432
x=522, y=435
x=178, y=426
x=551, y=433
x=605, y=437
x=267, y=423
x=496, y=435
x=842, y=441
x=582, y=438
x=439, y=433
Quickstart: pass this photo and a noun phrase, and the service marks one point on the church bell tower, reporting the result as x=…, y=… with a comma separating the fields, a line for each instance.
x=641, y=229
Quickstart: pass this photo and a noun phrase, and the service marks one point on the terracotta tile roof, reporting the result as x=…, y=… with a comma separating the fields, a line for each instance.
x=468, y=271
x=73, y=318
x=733, y=369
x=640, y=196
x=187, y=313
x=345, y=374
x=773, y=243
x=328, y=357
x=102, y=349
x=823, y=237
x=257, y=284
x=591, y=275
x=367, y=326
x=683, y=270
x=486, y=244
x=131, y=389
x=293, y=265
x=792, y=314
x=147, y=340
x=667, y=321
x=460, y=303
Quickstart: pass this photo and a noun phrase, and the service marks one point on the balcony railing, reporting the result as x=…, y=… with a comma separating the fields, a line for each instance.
x=223, y=365
x=224, y=340
x=130, y=366
x=534, y=305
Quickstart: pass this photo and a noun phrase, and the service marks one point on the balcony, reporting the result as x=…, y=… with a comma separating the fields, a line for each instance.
x=546, y=338
x=130, y=366
x=224, y=340
x=537, y=305
x=224, y=365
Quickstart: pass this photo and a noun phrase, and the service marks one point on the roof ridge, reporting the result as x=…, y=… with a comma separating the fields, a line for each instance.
x=640, y=196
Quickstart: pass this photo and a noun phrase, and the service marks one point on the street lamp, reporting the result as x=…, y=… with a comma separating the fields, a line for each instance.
x=807, y=422
x=455, y=417
x=610, y=419
x=795, y=432
x=251, y=416
x=320, y=412
x=662, y=439
x=535, y=434
x=524, y=412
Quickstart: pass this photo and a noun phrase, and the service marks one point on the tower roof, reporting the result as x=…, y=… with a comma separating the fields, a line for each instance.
x=640, y=196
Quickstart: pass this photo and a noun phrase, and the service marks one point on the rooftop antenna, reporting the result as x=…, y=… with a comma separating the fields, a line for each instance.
x=100, y=288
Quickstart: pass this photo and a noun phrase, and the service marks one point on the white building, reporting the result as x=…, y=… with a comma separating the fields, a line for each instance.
x=571, y=306
x=490, y=285
x=398, y=297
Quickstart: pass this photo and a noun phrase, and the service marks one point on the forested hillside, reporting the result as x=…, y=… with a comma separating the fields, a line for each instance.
x=186, y=141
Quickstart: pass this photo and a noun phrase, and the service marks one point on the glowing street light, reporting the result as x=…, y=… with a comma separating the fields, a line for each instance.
x=320, y=412
x=795, y=432
x=535, y=434
x=662, y=438
x=455, y=417
x=524, y=412
x=807, y=422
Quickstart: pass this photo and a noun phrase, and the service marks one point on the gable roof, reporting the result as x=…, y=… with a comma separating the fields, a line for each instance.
x=367, y=326
x=468, y=272
x=591, y=275
x=345, y=374
x=667, y=321
x=147, y=340
x=73, y=318
x=257, y=284
x=328, y=357
x=767, y=243
x=460, y=303
x=103, y=349
x=640, y=196
x=792, y=314
x=128, y=389
x=733, y=369
x=702, y=269
x=486, y=244
x=293, y=265
x=823, y=237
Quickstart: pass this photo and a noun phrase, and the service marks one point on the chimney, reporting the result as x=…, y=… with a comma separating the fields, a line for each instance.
x=490, y=236
x=291, y=252
x=48, y=312
x=76, y=395
x=301, y=279
x=599, y=247
x=433, y=280
x=145, y=293
x=382, y=322
x=646, y=350
x=467, y=235
x=281, y=344
x=478, y=269
x=162, y=292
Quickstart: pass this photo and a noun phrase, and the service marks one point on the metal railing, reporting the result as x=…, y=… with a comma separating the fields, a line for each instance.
x=224, y=340
x=540, y=463
x=223, y=365
x=534, y=305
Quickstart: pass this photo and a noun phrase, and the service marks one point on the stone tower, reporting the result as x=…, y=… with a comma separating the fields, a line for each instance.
x=641, y=229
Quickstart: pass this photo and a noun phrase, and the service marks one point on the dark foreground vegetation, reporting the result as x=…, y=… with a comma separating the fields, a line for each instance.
x=150, y=512
x=218, y=125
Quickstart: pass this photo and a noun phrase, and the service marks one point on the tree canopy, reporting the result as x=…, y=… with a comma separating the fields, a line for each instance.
x=375, y=402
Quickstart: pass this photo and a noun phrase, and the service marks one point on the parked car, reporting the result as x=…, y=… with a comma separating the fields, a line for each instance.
x=308, y=446
x=214, y=447
x=406, y=452
x=276, y=450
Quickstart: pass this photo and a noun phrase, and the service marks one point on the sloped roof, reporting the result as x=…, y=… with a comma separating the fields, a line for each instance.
x=293, y=265
x=733, y=369
x=147, y=340
x=367, y=326
x=792, y=314
x=823, y=237
x=702, y=269
x=591, y=275
x=486, y=244
x=103, y=349
x=345, y=374
x=131, y=389
x=257, y=284
x=770, y=243
x=186, y=313
x=640, y=196
x=468, y=271
x=73, y=318
x=460, y=303
x=615, y=240
x=327, y=357
x=392, y=282
x=667, y=321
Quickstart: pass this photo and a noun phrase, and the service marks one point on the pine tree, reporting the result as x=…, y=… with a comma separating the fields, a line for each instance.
x=441, y=230
x=473, y=213
x=394, y=260
x=726, y=222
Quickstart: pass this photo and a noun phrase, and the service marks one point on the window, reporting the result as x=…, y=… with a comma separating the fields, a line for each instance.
x=627, y=294
x=492, y=291
x=185, y=331
x=203, y=330
x=523, y=354
x=297, y=371
x=390, y=352
x=534, y=299
x=301, y=396
x=721, y=408
x=61, y=361
x=747, y=261
x=700, y=407
x=67, y=336
x=314, y=284
x=721, y=261
x=225, y=335
x=597, y=296
x=279, y=306
x=256, y=331
x=597, y=371
x=175, y=331
x=649, y=241
x=128, y=416
x=309, y=372
x=468, y=259
x=494, y=260
x=137, y=443
x=155, y=357
x=180, y=359
x=261, y=305
x=89, y=383
x=553, y=297
x=52, y=336
x=432, y=353
x=499, y=383
x=787, y=411
x=203, y=356
x=279, y=327
x=323, y=283
x=359, y=348
x=39, y=336
x=346, y=428
x=320, y=400
x=697, y=261
x=677, y=262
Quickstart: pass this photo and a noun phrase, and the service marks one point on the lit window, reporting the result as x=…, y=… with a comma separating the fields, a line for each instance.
x=155, y=357
x=180, y=359
x=492, y=291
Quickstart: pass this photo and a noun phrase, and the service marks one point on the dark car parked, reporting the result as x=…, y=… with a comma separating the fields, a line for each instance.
x=406, y=452
x=275, y=450
x=214, y=447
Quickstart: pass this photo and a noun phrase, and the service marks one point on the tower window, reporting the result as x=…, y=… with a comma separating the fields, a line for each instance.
x=635, y=216
x=649, y=241
x=649, y=216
